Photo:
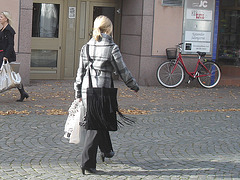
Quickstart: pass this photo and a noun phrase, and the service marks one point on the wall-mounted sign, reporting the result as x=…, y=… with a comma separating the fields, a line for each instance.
x=71, y=12
x=197, y=36
x=198, y=26
x=199, y=14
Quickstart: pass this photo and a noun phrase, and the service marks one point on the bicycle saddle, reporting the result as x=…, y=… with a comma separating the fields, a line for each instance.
x=202, y=54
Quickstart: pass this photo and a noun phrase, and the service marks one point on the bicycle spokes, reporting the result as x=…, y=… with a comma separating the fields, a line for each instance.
x=170, y=74
x=209, y=75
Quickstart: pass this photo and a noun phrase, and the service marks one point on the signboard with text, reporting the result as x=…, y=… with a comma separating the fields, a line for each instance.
x=198, y=26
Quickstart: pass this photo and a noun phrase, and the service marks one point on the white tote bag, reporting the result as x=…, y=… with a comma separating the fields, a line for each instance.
x=8, y=78
x=3, y=79
x=73, y=131
x=15, y=66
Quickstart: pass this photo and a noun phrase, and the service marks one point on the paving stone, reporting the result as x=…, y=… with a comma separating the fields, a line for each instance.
x=193, y=136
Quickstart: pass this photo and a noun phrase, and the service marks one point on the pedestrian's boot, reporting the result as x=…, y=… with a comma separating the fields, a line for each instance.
x=107, y=155
x=22, y=93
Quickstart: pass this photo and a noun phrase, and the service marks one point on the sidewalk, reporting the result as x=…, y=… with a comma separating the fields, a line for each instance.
x=49, y=95
x=183, y=133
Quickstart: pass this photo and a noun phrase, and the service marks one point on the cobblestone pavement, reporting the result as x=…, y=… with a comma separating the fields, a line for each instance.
x=183, y=133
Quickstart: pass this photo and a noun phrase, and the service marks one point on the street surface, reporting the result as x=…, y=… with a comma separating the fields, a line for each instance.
x=184, y=133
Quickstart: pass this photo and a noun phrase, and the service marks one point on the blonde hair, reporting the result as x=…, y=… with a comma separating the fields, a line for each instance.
x=8, y=16
x=102, y=24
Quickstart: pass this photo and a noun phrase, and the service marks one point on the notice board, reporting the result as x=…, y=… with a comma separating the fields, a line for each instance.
x=198, y=26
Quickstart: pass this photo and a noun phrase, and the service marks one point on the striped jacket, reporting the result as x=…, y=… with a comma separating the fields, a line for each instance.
x=106, y=59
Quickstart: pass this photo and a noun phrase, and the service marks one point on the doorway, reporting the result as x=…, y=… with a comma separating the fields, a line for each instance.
x=60, y=29
x=88, y=12
x=112, y=11
x=46, y=39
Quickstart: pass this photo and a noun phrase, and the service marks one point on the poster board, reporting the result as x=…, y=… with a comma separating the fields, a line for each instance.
x=198, y=26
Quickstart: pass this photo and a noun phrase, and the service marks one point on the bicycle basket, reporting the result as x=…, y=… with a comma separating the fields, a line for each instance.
x=171, y=53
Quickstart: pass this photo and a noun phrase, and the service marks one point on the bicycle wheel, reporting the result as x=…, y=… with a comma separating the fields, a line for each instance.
x=169, y=78
x=209, y=78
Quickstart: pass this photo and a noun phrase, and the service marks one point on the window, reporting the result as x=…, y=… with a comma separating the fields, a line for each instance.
x=172, y=2
x=45, y=20
x=228, y=3
x=106, y=11
x=44, y=58
x=229, y=37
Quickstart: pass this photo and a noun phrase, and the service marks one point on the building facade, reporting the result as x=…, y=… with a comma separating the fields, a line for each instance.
x=50, y=34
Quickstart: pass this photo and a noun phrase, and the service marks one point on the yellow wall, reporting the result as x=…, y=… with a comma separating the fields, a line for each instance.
x=13, y=7
x=167, y=30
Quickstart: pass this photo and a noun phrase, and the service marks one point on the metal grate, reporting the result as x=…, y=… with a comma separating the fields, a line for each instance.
x=172, y=2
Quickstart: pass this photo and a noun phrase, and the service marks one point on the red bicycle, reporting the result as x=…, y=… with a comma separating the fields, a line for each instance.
x=171, y=73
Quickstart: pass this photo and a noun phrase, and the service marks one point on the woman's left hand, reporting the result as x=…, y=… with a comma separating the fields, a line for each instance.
x=5, y=59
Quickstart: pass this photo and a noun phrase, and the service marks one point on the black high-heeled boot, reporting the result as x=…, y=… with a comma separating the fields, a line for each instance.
x=22, y=93
x=107, y=155
x=90, y=170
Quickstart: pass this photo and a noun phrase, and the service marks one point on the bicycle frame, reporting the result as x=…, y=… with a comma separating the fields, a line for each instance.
x=191, y=74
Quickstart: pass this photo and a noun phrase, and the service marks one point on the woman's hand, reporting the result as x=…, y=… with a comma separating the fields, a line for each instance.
x=79, y=99
x=5, y=59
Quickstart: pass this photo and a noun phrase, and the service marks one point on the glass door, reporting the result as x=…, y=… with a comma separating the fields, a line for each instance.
x=46, y=39
x=112, y=11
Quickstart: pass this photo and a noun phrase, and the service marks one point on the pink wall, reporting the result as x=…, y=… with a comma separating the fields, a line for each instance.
x=12, y=6
x=167, y=31
x=21, y=12
x=148, y=29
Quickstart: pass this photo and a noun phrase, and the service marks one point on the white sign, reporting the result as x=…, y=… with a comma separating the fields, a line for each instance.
x=197, y=36
x=71, y=12
x=198, y=26
x=197, y=46
x=197, y=14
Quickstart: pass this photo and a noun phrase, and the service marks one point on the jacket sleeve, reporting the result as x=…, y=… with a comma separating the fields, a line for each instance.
x=80, y=74
x=10, y=44
x=122, y=70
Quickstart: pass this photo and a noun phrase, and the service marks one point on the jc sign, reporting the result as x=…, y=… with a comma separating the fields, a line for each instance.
x=203, y=3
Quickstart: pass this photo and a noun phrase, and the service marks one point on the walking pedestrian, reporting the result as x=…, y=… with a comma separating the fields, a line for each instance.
x=107, y=58
x=7, y=52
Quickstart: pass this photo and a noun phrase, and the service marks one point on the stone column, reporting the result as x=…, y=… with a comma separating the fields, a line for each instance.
x=136, y=37
x=25, y=35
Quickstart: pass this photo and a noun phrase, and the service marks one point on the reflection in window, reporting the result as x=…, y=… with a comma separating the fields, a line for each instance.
x=45, y=20
x=229, y=37
x=44, y=58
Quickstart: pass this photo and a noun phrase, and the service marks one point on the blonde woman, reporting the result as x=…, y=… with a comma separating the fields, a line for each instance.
x=7, y=52
x=107, y=59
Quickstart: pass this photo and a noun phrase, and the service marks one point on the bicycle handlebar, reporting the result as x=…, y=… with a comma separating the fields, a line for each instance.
x=180, y=46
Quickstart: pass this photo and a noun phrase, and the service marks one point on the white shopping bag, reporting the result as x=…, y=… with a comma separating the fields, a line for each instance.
x=73, y=131
x=8, y=78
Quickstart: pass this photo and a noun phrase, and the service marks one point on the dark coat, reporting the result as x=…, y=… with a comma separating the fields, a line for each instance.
x=7, y=44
